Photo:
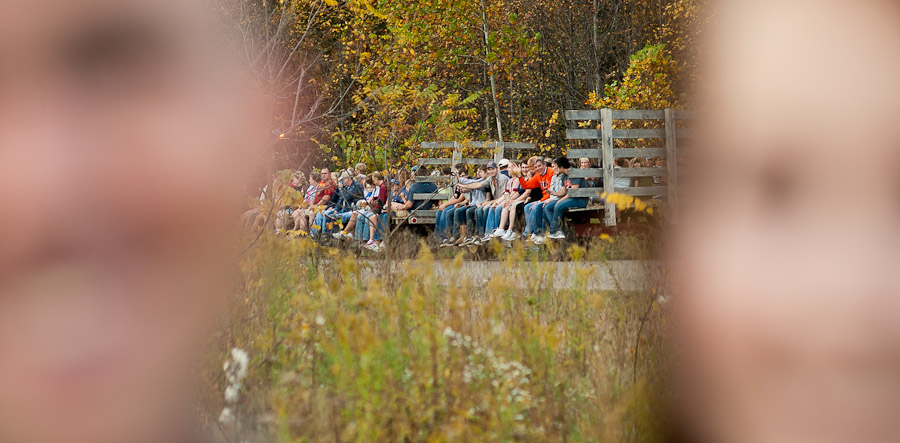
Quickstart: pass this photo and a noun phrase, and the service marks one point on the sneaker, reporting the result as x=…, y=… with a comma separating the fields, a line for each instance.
x=486, y=238
x=558, y=235
x=338, y=235
x=498, y=233
x=379, y=247
x=510, y=235
x=446, y=244
x=467, y=241
x=372, y=246
x=539, y=239
x=533, y=236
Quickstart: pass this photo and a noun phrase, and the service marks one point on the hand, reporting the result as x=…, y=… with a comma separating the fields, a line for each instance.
x=515, y=169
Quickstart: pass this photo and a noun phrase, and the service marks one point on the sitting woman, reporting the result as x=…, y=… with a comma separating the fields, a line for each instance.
x=362, y=209
x=554, y=212
x=517, y=197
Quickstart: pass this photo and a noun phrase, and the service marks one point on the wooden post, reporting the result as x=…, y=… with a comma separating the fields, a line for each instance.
x=609, y=162
x=498, y=155
x=456, y=157
x=672, y=164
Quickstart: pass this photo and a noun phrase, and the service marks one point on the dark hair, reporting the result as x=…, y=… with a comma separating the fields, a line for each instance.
x=377, y=176
x=315, y=176
x=563, y=163
x=482, y=168
x=422, y=171
x=460, y=166
x=446, y=171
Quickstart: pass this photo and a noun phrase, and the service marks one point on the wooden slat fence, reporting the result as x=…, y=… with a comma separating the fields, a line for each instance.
x=606, y=152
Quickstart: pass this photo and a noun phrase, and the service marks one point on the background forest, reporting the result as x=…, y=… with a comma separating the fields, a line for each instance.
x=368, y=80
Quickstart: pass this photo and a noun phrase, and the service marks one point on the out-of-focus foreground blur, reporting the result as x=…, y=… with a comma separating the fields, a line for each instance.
x=126, y=136
x=787, y=314
x=133, y=134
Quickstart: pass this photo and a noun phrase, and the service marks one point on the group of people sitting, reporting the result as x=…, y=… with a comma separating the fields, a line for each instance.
x=354, y=205
x=351, y=204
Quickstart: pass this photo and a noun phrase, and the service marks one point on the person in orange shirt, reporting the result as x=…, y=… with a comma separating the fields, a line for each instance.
x=542, y=174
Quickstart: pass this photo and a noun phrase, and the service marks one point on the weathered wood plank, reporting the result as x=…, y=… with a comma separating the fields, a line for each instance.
x=637, y=114
x=477, y=145
x=431, y=196
x=437, y=145
x=456, y=156
x=434, y=161
x=587, y=114
x=623, y=134
x=424, y=212
x=585, y=192
x=606, y=145
x=518, y=146
x=433, y=179
x=641, y=172
x=582, y=134
x=639, y=152
x=672, y=164
x=586, y=173
x=627, y=114
x=649, y=191
x=580, y=153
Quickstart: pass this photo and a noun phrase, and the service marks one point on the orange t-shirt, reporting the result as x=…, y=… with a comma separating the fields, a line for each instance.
x=539, y=181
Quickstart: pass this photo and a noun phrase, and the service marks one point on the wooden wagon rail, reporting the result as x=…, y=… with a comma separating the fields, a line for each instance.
x=603, y=129
x=607, y=153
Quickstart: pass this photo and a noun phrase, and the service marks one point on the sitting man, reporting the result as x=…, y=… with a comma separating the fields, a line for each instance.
x=304, y=219
x=553, y=211
x=341, y=207
x=444, y=221
x=464, y=216
x=495, y=182
x=420, y=188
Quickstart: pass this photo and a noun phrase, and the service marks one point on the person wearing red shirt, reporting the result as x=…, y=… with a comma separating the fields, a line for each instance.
x=542, y=174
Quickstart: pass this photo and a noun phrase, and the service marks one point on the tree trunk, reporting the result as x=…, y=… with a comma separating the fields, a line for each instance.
x=490, y=71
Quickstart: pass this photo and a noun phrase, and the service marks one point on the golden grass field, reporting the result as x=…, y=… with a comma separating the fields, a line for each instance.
x=338, y=352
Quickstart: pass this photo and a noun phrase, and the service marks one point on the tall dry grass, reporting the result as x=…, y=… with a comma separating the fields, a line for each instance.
x=341, y=349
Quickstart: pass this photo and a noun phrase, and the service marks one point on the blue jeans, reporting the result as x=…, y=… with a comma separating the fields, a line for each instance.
x=473, y=217
x=440, y=222
x=364, y=226
x=554, y=212
x=383, y=225
x=534, y=218
x=361, y=232
x=326, y=218
x=459, y=218
x=492, y=219
x=480, y=215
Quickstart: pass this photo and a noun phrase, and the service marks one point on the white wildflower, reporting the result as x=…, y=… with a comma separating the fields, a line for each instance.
x=226, y=416
x=320, y=320
x=232, y=393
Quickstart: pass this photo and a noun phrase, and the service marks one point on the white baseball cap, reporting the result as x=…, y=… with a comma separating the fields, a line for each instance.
x=504, y=163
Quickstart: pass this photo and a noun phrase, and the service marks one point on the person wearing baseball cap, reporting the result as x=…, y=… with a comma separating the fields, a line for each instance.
x=504, y=167
x=496, y=183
